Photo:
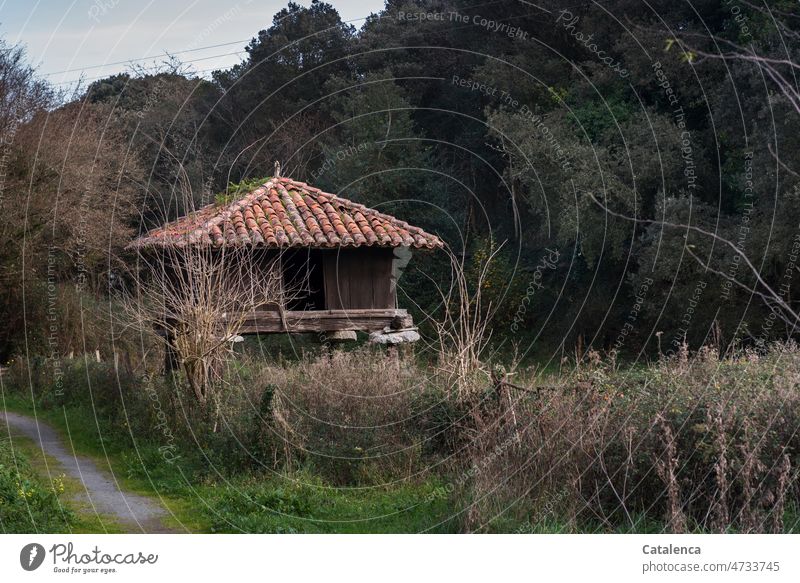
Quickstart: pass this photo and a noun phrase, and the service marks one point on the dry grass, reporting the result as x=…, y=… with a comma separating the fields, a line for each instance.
x=688, y=444
x=694, y=443
x=353, y=416
x=700, y=445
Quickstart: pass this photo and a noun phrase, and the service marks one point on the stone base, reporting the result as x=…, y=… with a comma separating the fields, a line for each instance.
x=398, y=337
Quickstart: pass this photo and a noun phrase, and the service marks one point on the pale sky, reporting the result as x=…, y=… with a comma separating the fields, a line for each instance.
x=69, y=38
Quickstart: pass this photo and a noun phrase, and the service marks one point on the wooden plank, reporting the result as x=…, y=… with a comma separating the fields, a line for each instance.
x=338, y=281
x=267, y=322
x=312, y=314
x=382, y=290
x=332, y=292
x=358, y=270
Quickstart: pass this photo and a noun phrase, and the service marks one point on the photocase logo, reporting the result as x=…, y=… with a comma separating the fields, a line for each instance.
x=31, y=556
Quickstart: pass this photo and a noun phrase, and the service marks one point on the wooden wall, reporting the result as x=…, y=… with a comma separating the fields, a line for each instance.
x=338, y=279
x=358, y=279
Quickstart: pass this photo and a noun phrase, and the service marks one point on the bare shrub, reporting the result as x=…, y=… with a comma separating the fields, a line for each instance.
x=354, y=416
x=463, y=331
x=483, y=410
x=689, y=445
x=198, y=297
x=667, y=469
x=719, y=503
x=752, y=469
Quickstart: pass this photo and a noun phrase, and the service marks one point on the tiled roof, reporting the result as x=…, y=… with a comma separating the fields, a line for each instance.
x=285, y=213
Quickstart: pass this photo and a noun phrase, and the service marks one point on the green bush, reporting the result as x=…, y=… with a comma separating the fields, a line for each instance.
x=27, y=504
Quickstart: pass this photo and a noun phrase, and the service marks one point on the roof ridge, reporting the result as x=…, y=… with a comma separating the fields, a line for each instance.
x=226, y=212
x=357, y=205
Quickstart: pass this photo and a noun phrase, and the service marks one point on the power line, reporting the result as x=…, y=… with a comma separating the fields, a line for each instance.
x=155, y=68
x=164, y=54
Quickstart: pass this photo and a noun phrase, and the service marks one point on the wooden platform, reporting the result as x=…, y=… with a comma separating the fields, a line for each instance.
x=295, y=322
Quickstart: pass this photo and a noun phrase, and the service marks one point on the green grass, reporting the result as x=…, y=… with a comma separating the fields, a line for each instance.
x=303, y=504
x=214, y=487
x=201, y=501
x=36, y=497
x=74, y=512
x=137, y=466
x=235, y=191
x=27, y=503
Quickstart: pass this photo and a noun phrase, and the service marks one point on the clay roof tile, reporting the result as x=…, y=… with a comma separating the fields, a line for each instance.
x=284, y=212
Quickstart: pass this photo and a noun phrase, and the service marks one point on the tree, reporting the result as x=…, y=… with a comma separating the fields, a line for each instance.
x=275, y=92
x=72, y=186
x=164, y=118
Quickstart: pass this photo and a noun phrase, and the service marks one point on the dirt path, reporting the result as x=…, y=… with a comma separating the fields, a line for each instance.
x=101, y=492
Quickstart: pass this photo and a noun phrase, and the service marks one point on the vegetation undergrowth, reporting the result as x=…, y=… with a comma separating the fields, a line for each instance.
x=199, y=477
x=363, y=442
x=27, y=503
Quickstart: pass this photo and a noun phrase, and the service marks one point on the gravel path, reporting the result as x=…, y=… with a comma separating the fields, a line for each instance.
x=134, y=512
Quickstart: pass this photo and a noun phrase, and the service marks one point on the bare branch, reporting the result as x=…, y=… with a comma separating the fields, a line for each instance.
x=771, y=293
